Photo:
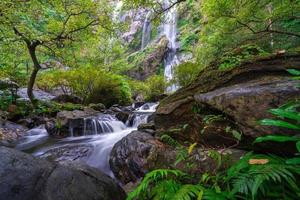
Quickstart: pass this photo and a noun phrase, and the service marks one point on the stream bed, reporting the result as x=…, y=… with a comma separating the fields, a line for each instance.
x=93, y=146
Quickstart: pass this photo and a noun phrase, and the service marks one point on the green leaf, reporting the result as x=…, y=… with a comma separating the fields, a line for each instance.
x=237, y=135
x=200, y=195
x=293, y=161
x=294, y=72
x=285, y=113
x=276, y=138
x=298, y=146
x=279, y=123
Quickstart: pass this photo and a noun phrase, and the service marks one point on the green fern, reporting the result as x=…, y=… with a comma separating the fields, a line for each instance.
x=261, y=180
x=153, y=177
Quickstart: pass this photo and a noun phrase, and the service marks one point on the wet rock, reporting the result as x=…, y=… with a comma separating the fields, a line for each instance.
x=150, y=126
x=123, y=116
x=69, y=120
x=67, y=98
x=139, y=152
x=130, y=157
x=97, y=107
x=138, y=104
x=76, y=152
x=24, y=177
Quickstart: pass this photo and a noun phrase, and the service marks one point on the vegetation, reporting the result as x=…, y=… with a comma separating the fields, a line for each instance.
x=90, y=50
x=255, y=176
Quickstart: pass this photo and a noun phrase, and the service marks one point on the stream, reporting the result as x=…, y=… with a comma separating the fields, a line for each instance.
x=93, y=146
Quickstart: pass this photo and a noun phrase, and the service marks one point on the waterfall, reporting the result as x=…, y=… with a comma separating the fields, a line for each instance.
x=146, y=30
x=91, y=139
x=141, y=115
x=170, y=31
x=99, y=125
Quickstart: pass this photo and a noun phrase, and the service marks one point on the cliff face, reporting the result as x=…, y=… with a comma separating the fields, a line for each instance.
x=148, y=61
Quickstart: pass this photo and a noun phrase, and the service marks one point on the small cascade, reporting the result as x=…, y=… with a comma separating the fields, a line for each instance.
x=93, y=138
x=146, y=34
x=99, y=125
x=141, y=115
x=170, y=31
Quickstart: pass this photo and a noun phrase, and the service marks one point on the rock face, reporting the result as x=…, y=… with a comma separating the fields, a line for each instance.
x=147, y=66
x=24, y=177
x=243, y=95
x=246, y=103
x=139, y=152
x=67, y=98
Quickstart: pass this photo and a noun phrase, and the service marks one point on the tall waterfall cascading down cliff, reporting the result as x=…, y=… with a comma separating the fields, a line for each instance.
x=146, y=34
x=170, y=31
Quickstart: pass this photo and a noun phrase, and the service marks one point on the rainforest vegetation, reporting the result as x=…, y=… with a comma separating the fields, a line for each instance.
x=200, y=98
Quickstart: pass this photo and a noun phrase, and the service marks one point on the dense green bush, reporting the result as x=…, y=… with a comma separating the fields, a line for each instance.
x=156, y=86
x=151, y=89
x=92, y=84
x=185, y=73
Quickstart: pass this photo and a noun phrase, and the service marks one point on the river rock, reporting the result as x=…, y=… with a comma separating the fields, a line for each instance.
x=243, y=95
x=67, y=120
x=123, y=116
x=139, y=152
x=146, y=126
x=67, y=98
x=97, y=106
x=24, y=177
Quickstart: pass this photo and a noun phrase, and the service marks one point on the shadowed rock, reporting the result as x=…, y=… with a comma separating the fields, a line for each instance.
x=24, y=177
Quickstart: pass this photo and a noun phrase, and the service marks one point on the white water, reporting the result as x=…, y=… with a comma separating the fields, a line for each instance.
x=33, y=138
x=94, y=145
x=170, y=31
x=146, y=34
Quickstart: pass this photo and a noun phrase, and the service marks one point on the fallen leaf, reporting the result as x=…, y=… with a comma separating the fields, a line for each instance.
x=258, y=161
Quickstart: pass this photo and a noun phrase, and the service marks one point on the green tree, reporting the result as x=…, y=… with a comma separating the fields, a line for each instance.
x=51, y=27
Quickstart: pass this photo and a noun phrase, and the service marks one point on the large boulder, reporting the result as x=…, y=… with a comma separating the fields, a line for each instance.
x=139, y=152
x=249, y=102
x=243, y=95
x=24, y=177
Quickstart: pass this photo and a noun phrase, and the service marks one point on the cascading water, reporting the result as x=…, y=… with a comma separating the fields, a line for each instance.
x=92, y=144
x=170, y=31
x=146, y=34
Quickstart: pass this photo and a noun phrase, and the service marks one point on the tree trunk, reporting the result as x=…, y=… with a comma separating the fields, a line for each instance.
x=36, y=67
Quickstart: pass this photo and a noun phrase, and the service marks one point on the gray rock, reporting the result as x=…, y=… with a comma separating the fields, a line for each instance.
x=24, y=177
x=67, y=98
x=247, y=103
x=98, y=106
x=139, y=152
